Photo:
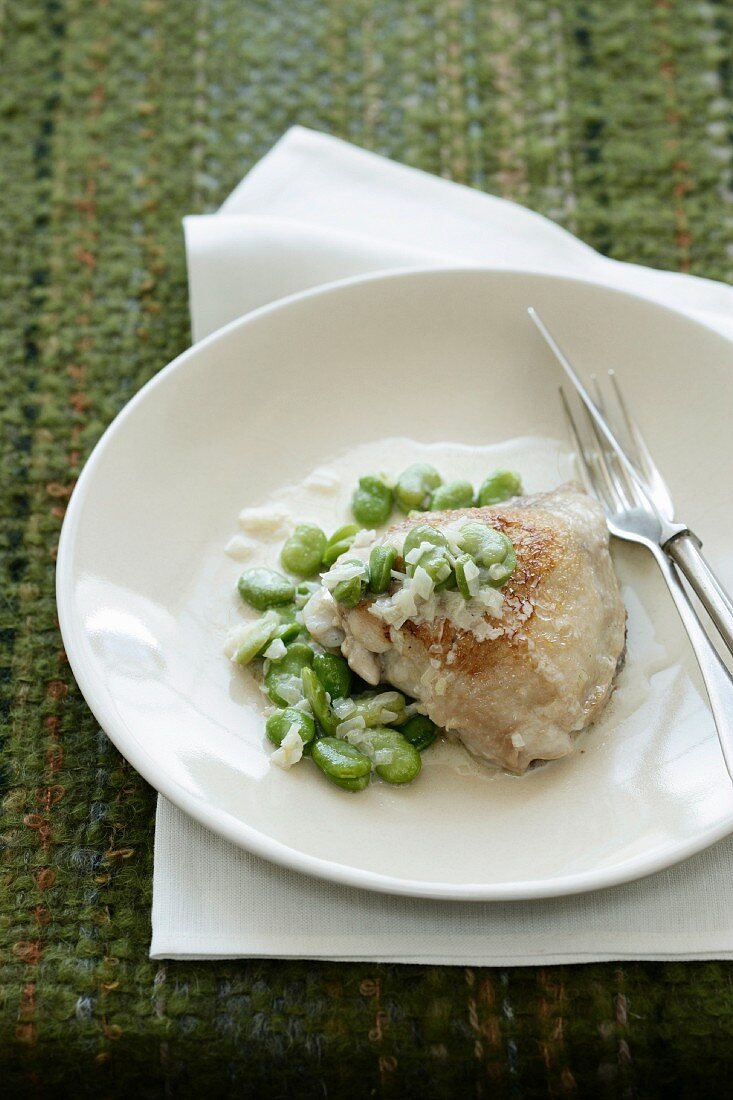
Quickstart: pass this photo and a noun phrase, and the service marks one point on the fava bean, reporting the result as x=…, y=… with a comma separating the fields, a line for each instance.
x=254, y=639
x=456, y=494
x=303, y=551
x=419, y=731
x=351, y=592
x=288, y=632
x=334, y=673
x=485, y=545
x=420, y=533
x=372, y=501
x=278, y=726
x=315, y=693
x=342, y=763
x=289, y=627
x=264, y=588
x=500, y=573
x=381, y=564
x=339, y=542
x=379, y=709
x=434, y=561
x=502, y=485
x=283, y=680
x=405, y=764
x=450, y=583
x=460, y=572
x=415, y=485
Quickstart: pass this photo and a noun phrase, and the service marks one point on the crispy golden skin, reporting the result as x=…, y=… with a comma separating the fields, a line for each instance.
x=520, y=696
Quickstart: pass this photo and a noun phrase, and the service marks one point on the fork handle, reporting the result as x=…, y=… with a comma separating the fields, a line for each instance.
x=684, y=550
x=717, y=679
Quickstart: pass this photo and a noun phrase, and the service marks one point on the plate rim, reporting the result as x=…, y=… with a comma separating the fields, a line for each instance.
x=227, y=825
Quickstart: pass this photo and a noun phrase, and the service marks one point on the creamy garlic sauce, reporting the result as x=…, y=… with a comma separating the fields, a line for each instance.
x=324, y=496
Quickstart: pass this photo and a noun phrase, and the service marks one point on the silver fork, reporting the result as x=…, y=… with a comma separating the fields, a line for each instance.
x=634, y=515
x=684, y=549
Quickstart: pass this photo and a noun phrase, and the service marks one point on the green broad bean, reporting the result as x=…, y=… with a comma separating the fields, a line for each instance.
x=381, y=564
x=264, y=588
x=315, y=693
x=450, y=583
x=500, y=573
x=278, y=725
x=415, y=485
x=372, y=501
x=485, y=545
x=420, y=533
x=290, y=627
x=303, y=551
x=354, y=784
x=456, y=494
x=437, y=566
x=254, y=640
x=460, y=568
x=379, y=709
x=283, y=680
x=351, y=592
x=502, y=485
x=419, y=731
x=435, y=562
x=334, y=673
x=339, y=542
x=288, y=632
x=405, y=764
x=343, y=764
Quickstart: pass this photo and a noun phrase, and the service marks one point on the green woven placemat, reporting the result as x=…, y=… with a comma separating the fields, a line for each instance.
x=116, y=118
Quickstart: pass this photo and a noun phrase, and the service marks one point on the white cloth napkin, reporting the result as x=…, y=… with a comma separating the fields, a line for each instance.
x=315, y=210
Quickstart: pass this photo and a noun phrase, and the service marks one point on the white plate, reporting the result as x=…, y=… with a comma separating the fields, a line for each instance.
x=145, y=591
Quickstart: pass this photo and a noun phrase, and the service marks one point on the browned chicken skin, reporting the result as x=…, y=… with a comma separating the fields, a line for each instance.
x=520, y=695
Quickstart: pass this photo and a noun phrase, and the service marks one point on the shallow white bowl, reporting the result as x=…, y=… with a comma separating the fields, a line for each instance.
x=144, y=589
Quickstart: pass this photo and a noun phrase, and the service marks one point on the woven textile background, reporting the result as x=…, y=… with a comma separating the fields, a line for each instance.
x=116, y=118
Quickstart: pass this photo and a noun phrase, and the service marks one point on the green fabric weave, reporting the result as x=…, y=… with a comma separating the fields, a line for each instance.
x=116, y=118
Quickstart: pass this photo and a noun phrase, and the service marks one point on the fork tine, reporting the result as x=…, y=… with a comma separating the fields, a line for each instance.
x=627, y=486
x=618, y=496
x=595, y=477
x=585, y=468
x=641, y=454
x=598, y=396
x=592, y=410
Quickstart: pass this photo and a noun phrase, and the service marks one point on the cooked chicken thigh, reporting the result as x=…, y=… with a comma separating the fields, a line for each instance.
x=514, y=683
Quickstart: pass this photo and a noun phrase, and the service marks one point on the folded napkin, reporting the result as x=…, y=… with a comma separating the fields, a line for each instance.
x=313, y=211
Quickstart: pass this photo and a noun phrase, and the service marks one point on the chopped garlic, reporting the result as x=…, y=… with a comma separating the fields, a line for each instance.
x=386, y=698
x=291, y=689
x=414, y=555
x=239, y=634
x=492, y=600
x=343, y=708
x=351, y=724
x=344, y=571
x=363, y=538
x=290, y=751
x=472, y=573
x=239, y=547
x=387, y=716
x=422, y=583
x=275, y=650
x=322, y=480
x=264, y=522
